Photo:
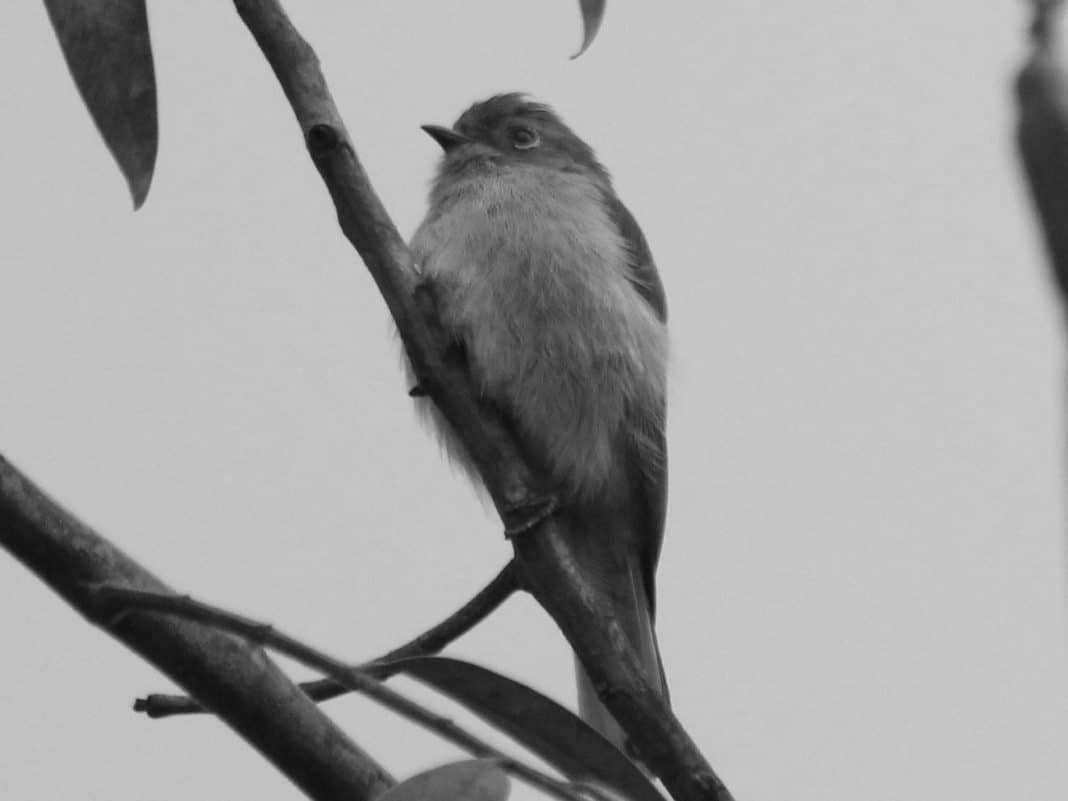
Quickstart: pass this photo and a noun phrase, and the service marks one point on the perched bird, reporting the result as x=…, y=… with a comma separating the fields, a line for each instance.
x=546, y=285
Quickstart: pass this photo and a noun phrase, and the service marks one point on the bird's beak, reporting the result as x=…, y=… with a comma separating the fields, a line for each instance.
x=447, y=137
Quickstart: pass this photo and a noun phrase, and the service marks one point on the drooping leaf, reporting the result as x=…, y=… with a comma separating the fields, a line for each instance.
x=469, y=780
x=549, y=730
x=592, y=14
x=107, y=48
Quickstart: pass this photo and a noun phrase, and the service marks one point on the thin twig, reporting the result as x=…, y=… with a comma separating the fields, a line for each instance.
x=118, y=601
x=431, y=641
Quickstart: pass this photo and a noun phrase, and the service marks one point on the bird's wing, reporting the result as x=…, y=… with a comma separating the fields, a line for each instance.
x=653, y=471
x=644, y=276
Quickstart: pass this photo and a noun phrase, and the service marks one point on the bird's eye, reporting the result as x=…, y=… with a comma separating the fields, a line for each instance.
x=523, y=138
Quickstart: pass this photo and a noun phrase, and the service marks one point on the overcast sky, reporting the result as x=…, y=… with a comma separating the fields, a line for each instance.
x=862, y=592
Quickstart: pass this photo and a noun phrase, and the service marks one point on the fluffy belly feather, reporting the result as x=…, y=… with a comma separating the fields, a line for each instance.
x=531, y=277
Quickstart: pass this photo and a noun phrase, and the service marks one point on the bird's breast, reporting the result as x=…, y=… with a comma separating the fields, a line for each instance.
x=531, y=276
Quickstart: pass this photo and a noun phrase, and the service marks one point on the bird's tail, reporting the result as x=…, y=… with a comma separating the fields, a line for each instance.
x=633, y=611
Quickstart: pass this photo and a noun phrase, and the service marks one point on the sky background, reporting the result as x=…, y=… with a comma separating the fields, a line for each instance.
x=862, y=591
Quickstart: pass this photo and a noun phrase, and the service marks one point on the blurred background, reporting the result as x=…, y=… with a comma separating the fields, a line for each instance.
x=862, y=591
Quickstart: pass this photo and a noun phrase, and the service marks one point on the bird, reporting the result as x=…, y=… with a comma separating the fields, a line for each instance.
x=545, y=284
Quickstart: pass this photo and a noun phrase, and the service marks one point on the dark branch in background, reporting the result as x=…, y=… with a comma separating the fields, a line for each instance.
x=121, y=602
x=472, y=613
x=231, y=677
x=543, y=557
x=1042, y=135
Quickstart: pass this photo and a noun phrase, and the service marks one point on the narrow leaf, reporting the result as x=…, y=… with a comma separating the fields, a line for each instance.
x=592, y=14
x=107, y=48
x=470, y=780
x=549, y=730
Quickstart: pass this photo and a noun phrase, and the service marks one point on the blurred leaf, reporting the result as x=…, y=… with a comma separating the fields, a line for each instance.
x=109, y=54
x=470, y=780
x=549, y=730
x=592, y=14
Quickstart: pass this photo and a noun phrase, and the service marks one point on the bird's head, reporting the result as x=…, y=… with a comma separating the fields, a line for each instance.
x=511, y=129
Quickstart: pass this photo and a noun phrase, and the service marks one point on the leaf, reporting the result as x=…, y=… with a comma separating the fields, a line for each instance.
x=470, y=780
x=108, y=51
x=549, y=730
x=592, y=14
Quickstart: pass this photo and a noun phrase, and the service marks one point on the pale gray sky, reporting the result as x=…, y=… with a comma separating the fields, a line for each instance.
x=863, y=583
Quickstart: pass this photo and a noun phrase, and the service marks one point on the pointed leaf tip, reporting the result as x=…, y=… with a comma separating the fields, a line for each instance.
x=469, y=780
x=109, y=54
x=592, y=15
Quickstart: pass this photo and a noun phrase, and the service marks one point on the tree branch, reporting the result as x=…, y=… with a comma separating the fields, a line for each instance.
x=232, y=678
x=431, y=641
x=549, y=569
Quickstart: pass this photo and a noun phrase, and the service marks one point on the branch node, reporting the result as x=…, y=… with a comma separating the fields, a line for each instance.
x=322, y=138
x=110, y=604
x=527, y=513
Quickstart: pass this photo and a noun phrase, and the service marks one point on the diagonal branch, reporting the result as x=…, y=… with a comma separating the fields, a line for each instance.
x=431, y=641
x=232, y=678
x=543, y=555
